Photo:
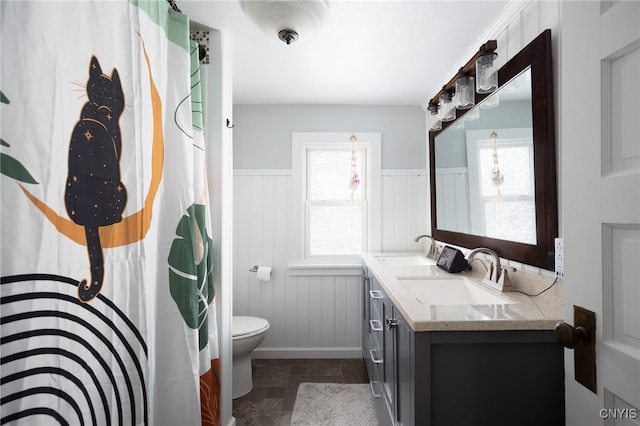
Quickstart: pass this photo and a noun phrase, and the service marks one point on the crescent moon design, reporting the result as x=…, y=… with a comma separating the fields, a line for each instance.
x=132, y=228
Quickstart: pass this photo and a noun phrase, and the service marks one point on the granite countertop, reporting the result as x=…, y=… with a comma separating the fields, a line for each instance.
x=520, y=312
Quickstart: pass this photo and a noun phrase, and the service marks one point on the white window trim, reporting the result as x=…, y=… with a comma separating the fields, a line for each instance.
x=300, y=142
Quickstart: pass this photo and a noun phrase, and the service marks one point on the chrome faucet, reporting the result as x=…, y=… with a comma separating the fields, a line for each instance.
x=496, y=277
x=431, y=254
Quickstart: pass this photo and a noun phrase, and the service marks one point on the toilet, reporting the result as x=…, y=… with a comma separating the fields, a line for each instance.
x=248, y=333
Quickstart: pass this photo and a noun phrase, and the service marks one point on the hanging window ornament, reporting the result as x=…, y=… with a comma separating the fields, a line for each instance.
x=354, y=182
x=496, y=176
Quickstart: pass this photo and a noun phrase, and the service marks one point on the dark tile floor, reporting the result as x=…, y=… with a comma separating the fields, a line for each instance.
x=275, y=384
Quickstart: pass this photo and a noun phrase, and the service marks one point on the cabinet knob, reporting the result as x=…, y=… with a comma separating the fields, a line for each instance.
x=569, y=336
x=391, y=322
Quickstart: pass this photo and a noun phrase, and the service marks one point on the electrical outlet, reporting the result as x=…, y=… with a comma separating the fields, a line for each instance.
x=559, y=257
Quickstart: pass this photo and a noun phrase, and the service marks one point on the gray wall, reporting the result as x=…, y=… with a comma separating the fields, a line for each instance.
x=262, y=133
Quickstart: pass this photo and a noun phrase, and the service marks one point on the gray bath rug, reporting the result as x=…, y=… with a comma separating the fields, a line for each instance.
x=333, y=404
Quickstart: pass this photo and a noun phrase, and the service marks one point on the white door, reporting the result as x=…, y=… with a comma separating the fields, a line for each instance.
x=600, y=142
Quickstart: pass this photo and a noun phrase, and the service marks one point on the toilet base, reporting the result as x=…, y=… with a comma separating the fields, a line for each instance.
x=248, y=333
x=242, y=376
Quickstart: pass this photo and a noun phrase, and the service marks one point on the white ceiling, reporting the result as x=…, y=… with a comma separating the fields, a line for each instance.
x=373, y=52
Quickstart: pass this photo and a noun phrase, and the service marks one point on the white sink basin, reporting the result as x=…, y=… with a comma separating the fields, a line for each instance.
x=453, y=291
x=404, y=260
x=414, y=271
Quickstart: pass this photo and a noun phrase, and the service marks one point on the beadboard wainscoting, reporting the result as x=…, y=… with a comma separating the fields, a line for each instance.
x=314, y=313
x=452, y=187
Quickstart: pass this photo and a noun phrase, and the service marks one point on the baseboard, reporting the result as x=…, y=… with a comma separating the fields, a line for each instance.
x=306, y=353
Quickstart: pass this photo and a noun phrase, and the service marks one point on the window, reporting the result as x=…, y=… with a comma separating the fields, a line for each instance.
x=336, y=218
x=336, y=222
x=513, y=215
x=508, y=211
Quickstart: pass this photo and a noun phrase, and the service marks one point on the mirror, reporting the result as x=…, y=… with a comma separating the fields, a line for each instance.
x=493, y=169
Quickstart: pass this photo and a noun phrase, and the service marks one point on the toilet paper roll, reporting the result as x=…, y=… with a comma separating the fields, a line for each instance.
x=264, y=273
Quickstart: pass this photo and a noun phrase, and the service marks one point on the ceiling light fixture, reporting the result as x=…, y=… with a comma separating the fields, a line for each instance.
x=288, y=20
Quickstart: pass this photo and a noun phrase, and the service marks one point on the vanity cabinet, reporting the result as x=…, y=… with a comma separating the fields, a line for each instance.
x=386, y=351
x=379, y=347
x=496, y=377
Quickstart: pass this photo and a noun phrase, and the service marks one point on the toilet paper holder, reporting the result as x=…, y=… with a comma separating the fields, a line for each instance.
x=263, y=273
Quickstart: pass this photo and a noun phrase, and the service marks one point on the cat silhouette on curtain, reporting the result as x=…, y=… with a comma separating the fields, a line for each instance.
x=94, y=193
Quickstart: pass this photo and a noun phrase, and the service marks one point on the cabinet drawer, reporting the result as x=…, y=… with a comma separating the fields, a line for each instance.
x=375, y=326
x=376, y=356
x=375, y=294
x=375, y=303
x=372, y=353
x=376, y=382
x=366, y=355
x=377, y=389
x=376, y=311
x=375, y=341
x=372, y=335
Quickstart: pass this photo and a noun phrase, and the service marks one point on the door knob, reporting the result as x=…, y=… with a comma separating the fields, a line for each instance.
x=581, y=338
x=569, y=335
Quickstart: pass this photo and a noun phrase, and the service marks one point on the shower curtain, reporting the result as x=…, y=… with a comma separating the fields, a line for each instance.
x=106, y=263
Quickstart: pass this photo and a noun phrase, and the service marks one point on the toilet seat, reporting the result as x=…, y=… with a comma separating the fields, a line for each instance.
x=245, y=326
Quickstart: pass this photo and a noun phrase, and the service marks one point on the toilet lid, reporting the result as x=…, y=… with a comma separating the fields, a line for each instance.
x=247, y=325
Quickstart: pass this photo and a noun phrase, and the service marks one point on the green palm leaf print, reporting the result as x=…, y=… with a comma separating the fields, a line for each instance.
x=191, y=270
x=11, y=167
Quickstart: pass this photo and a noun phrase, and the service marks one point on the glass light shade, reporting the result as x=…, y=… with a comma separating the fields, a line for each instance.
x=434, y=120
x=491, y=101
x=465, y=92
x=486, y=73
x=472, y=115
x=447, y=109
x=514, y=85
x=457, y=125
x=305, y=17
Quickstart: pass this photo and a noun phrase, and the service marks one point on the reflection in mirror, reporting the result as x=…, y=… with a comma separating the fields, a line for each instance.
x=493, y=169
x=484, y=168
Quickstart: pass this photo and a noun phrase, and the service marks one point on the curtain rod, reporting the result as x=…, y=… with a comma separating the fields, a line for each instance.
x=202, y=51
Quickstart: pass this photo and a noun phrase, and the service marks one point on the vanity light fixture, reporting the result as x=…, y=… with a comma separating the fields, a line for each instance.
x=288, y=20
x=458, y=93
x=486, y=71
x=448, y=111
x=434, y=121
x=465, y=86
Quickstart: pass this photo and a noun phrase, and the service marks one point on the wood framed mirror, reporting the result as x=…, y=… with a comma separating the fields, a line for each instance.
x=470, y=207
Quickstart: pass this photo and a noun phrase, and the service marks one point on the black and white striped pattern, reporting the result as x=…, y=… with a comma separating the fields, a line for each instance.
x=67, y=362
